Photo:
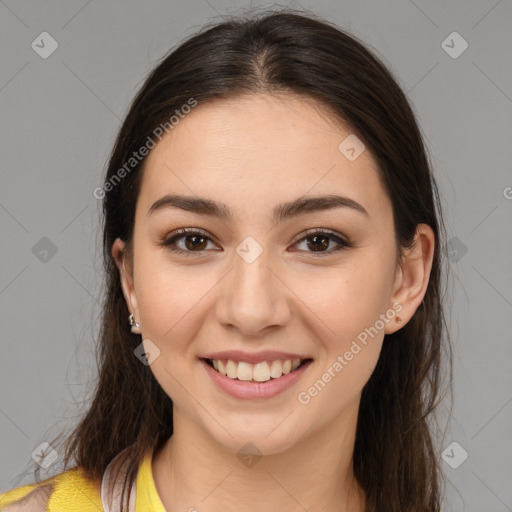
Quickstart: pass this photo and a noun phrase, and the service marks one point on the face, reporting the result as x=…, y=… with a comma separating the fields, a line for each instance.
x=262, y=283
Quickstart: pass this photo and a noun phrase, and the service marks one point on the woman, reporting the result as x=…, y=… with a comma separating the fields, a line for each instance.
x=273, y=328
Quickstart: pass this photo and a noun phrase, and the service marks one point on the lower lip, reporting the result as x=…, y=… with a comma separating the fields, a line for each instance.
x=255, y=390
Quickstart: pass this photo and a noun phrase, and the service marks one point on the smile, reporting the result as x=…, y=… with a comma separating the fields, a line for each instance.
x=259, y=372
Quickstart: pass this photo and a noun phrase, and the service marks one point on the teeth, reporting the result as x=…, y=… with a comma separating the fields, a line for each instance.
x=276, y=369
x=244, y=371
x=231, y=369
x=260, y=372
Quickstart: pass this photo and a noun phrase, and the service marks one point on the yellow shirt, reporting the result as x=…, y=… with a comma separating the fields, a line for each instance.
x=72, y=491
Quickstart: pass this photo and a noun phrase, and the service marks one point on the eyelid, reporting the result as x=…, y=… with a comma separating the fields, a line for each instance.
x=322, y=231
x=343, y=241
x=168, y=240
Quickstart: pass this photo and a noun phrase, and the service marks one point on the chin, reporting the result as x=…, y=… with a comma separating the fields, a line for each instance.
x=269, y=438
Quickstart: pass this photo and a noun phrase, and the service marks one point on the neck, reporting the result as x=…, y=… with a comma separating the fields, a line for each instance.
x=194, y=472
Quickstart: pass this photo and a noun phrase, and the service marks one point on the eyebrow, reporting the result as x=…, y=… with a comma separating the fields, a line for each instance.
x=300, y=206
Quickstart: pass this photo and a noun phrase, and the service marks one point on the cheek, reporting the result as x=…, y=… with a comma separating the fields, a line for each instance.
x=171, y=302
x=346, y=303
x=168, y=298
x=347, y=307
x=347, y=299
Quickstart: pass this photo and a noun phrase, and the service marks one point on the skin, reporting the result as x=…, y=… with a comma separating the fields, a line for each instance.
x=252, y=153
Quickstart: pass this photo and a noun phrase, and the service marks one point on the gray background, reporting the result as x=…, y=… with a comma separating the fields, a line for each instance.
x=60, y=116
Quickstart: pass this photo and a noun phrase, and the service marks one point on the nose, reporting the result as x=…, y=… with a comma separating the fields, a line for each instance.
x=252, y=297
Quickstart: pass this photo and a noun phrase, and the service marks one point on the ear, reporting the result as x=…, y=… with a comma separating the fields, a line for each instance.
x=412, y=277
x=124, y=264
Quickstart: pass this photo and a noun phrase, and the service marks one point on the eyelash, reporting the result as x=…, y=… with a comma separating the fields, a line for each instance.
x=169, y=241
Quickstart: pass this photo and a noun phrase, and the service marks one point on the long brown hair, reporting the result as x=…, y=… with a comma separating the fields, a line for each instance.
x=395, y=459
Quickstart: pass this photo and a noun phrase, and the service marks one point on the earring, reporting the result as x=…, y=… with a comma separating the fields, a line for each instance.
x=134, y=324
x=399, y=320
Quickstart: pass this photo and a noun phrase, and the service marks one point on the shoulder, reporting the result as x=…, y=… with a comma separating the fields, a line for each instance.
x=70, y=491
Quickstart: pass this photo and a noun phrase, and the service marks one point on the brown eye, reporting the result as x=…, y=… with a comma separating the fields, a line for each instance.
x=317, y=242
x=193, y=242
x=186, y=241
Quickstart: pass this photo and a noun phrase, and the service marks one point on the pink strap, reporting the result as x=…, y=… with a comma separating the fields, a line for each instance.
x=111, y=490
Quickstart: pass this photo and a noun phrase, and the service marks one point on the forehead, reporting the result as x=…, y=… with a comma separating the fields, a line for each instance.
x=255, y=151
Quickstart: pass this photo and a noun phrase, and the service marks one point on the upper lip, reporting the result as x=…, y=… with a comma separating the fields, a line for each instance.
x=254, y=357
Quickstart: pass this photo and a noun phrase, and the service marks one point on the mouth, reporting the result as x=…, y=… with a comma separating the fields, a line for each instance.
x=261, y=372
